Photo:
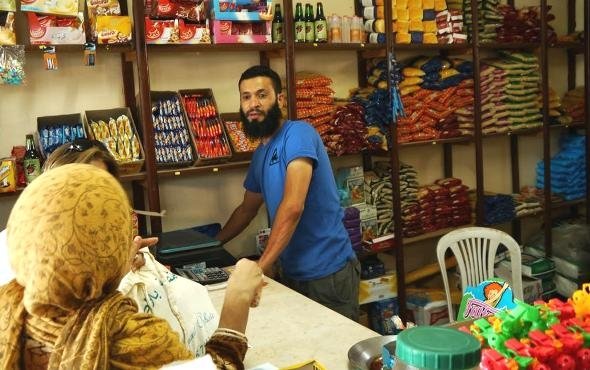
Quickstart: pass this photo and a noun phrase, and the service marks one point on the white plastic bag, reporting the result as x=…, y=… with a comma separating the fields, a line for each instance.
x=184, y=303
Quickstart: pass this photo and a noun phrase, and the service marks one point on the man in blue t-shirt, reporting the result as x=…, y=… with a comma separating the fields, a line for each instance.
x=291, y=173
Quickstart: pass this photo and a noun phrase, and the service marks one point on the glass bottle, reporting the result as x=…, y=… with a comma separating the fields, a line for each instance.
x=31, y=161
x=309, y=24
x=277, y=25
x=299, y=23
x=321, y=25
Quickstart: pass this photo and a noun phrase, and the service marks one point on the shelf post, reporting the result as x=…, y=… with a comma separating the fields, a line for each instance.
x=145, y=116
x=290, y=59
x=587, y=97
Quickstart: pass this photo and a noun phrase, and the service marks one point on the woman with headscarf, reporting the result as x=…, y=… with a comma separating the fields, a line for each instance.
x=69, y=237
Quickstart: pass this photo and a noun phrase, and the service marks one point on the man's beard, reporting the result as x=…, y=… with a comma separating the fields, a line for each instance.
x=264, y=128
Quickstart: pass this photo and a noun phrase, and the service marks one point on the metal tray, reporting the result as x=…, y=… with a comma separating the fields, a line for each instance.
x=363, y=353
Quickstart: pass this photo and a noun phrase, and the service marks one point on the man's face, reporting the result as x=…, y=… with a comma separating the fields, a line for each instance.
x=259, y=107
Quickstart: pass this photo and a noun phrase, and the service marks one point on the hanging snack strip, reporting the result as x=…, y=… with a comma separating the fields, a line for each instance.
x=12, y=60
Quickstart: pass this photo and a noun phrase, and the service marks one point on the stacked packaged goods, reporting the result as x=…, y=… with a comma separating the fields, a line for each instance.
x=315, y=101
x=489, y=18
x=433, y=89
x=416, y=21
x=510, y=92
x=347, y=133
x=573, y=104
x=444, y=204
x=568, y=171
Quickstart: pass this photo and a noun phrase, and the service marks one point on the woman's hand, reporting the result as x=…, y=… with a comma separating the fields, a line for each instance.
x=137, y=259
x=246, y=282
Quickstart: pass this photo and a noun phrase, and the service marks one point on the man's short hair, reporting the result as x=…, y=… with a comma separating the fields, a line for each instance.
x=262, y=71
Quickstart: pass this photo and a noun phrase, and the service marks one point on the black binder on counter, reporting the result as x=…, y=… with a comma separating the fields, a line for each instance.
x=187, y=246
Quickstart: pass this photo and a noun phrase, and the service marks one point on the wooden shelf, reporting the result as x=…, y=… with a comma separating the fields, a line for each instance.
x=464, y=47
x=213, y=168
x=576, y=46
x=509, y=45
x=452, y=140
x=175, y=48
x=132, y=177
x=338, y=46
x=432, y=235
x=12, y=194
x=117, y=48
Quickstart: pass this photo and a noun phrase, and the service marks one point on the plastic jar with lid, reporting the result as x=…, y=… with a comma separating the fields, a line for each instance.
x=436, y=348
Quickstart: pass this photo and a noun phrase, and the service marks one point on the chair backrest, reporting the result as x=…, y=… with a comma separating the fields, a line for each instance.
x=475, y=249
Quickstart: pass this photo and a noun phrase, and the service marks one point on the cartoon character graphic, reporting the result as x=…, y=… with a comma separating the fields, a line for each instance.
x=493, y=293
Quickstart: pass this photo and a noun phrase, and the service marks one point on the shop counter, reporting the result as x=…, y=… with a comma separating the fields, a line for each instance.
x=288, y=328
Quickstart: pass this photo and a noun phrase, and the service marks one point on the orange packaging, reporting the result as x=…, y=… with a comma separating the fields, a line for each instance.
x=7, y=175
x=113, y=29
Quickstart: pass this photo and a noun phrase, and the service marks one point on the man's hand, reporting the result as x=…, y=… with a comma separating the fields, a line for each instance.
x=138, y=243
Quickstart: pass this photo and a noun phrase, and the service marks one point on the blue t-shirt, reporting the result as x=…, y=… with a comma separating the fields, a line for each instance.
x=320, y=245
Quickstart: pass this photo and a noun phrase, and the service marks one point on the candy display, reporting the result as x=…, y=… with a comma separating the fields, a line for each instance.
x=59, y=7
x=98, y=8
x=242, y=22
x=115, y=129
x=113, y=29
x=172, y=137
x=57, y=133
x=568, y=173
x=240, y=143
x=352, y=223
x=549, y=335
x=12, y=60
x=7, y=35
x=205, y=123
x=194, y=11
x=56, y=30
x=175, y=32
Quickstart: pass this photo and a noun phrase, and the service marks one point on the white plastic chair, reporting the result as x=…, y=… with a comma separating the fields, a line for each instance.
x=475, y=249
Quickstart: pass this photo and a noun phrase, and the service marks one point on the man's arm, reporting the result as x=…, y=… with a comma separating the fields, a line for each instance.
x=297, y=182
x=241, y=216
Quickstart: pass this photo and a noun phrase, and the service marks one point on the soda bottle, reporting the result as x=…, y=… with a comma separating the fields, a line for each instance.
x=321, y=25
x=277, y=25
x=299, y=23
x=309, y=24
x=31, y=161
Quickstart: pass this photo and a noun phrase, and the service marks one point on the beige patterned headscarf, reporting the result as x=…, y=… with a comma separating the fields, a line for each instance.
x=69, y=238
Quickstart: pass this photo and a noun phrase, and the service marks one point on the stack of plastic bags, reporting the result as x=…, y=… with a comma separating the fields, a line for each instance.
x=573, y=104
x=528, y=202
x=315, y=101
x=444, y=204
x=374, y=19
x=415, y=21
x=510, y=92
x=348, y=130
x=408, y=188
x=379, y=192
x=498, y=209
x=523, y=24
x=568, y=168
x=352, y=224
x=432, y=90
x=449, y=24
x=489, y=19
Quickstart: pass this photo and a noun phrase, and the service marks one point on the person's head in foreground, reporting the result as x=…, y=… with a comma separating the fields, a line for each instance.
x=70, y=243
x=83, y=151
x=261, y=99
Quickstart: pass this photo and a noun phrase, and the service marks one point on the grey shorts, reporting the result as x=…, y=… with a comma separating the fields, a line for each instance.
x=338, y=291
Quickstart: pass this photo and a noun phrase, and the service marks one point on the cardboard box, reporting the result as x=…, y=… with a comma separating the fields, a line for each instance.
x=532, y=288
x=428, y=308
x=209, y=137
x=241, y=10
x=7, y=175
x=57, y=130
x=41, y=32
x=125, y=166
x=175, y=32
x=230, y=32
x=382, y=287
x=380, y=315
x=59, y=7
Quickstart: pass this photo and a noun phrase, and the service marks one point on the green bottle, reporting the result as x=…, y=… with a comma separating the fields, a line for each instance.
x=299, y=23
x=277, y=25
x=31, y=161
x=320, y=25
x=309, y=24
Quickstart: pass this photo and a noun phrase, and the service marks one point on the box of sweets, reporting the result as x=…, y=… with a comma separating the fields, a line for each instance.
x=116, y=130
x=175, y=32
x=58, y=7
x=55, y=131
x=229, y=32
x=56, y=30
x=241, y=10
x=202, y=115
x=172, y=137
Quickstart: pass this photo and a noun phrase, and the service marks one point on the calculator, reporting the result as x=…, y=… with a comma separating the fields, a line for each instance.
x=204, y=276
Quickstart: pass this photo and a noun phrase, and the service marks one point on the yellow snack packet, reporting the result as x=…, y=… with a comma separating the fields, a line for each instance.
x=113, y=29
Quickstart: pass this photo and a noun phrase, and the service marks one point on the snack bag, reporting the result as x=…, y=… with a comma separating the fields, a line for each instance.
x=12, y=60
x=113, y=29
x=7, y=175
x=101, y=7
x=7, y=35
x=59, y=7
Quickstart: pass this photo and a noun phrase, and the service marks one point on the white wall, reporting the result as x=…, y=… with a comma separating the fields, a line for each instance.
x=211, y=198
